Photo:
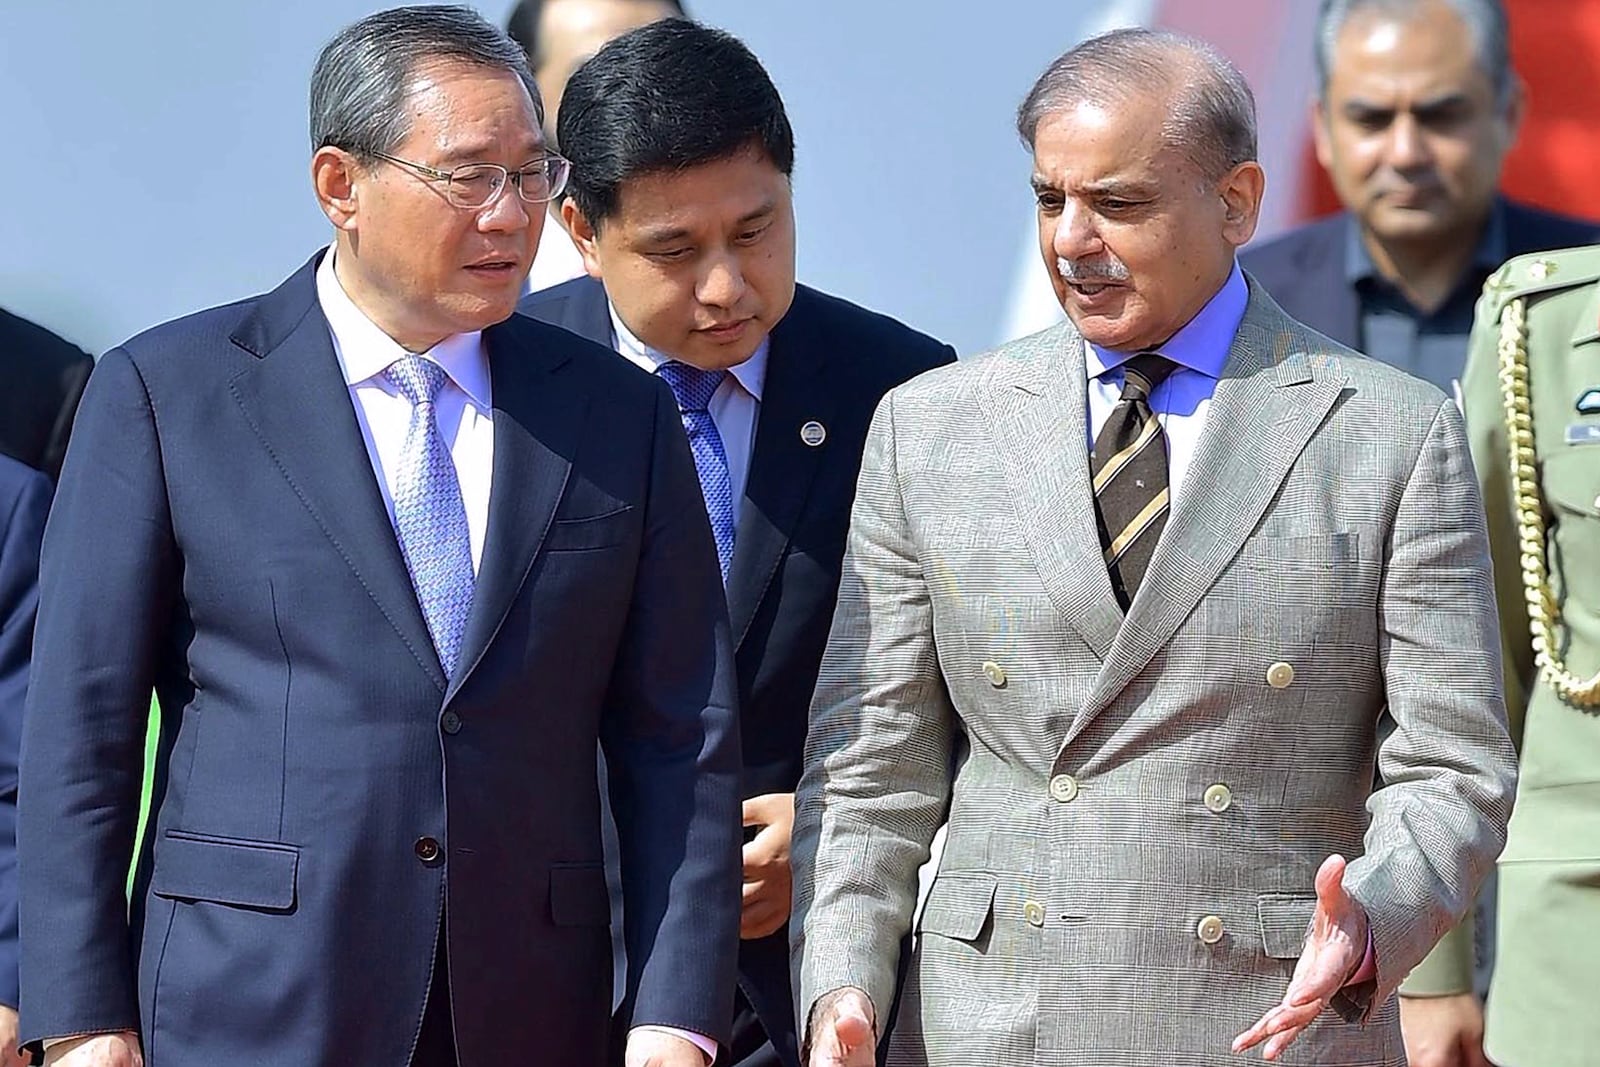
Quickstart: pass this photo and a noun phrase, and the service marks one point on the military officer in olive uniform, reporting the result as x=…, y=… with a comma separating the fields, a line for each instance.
x=1531, y=395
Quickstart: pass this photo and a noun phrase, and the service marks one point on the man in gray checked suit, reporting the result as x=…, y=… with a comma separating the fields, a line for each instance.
x=1124, y=600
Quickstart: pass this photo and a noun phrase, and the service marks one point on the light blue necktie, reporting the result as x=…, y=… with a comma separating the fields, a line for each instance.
x=693, y=389
x=429, y=514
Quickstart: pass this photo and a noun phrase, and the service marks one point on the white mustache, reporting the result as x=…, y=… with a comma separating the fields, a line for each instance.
x=1110, y=270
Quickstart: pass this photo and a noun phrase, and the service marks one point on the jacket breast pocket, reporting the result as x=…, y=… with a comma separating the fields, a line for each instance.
x=226, y=870
x=1314, y=552
x=590, y=533
x=579, y=895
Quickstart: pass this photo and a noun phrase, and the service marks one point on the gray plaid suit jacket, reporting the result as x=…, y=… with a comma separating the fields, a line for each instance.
x=1137, y=806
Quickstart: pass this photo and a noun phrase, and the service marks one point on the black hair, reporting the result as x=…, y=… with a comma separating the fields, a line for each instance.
x=665, y=97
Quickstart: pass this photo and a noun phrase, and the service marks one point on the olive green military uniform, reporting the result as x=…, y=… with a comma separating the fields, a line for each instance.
x=1543, y=1009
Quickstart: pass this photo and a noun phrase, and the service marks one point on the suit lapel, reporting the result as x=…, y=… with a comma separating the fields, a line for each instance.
x=782, y=466
x=1036, y=411
x=1273, y=395
x=298, y=404
x=536, y=430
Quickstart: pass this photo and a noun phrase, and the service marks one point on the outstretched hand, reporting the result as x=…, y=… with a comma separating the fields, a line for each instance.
x=1334, y=949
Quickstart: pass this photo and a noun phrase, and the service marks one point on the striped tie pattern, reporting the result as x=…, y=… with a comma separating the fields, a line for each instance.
x=1131, y=494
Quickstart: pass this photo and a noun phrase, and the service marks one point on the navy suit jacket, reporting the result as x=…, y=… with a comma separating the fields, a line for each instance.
x=44, y=378
x=24, y=503
x=829, y=362
x=1304, y=269
x=324, y=796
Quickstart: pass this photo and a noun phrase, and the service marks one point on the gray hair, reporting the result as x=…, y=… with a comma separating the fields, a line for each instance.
x=1484, y=19
x=1213, y=114
x=361, y=79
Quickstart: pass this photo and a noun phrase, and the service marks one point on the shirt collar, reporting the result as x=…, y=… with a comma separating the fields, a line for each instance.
x=1489, y=254
x=1205, y=340
x=365, y=351
x=751, y=374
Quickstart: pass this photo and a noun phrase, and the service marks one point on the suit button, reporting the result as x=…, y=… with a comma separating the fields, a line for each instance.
x=1219, y=798
x=427, y=850
x=1033, y=911
x=996, y=673
x=451, y=723
x=1280, y=675
x=1209, y=930
x=1064, y=788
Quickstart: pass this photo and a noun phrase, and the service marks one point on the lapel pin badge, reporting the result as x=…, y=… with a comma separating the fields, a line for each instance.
x=1589, y=402
x=813, y=433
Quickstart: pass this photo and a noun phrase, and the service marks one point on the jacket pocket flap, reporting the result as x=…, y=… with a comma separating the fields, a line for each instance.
x=1285, y=921
x=579, y=895
x=590, y=532
x=226, y=870
x=959, y=904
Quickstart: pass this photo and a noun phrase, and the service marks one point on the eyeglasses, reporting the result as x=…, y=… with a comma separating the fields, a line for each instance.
x=472, y=186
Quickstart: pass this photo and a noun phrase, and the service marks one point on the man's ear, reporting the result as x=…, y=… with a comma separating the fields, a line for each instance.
x=1241, y=193
x=583, y=236
x=333, y=177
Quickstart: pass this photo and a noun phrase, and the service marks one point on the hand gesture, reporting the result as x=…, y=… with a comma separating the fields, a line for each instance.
x=843, y=1031
x=1334, y=950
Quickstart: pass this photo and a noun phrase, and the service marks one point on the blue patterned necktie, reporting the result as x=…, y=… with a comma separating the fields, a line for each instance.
x=429, y=515
x=693, y=389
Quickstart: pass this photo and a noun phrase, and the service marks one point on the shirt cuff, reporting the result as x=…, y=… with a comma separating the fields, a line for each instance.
x=1369, y=965
x=699, y=1041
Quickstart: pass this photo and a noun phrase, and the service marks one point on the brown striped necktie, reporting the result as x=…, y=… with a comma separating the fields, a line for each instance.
x=1129, y=461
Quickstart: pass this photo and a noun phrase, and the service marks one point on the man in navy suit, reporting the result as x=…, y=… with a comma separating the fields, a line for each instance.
x=1418, y=106
x=395, y=561
x=24, y=503
x=680, y=204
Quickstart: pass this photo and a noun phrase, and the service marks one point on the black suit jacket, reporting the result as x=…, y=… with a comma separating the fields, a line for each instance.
x=1304, y=269
x=830, y=362
x=24, y=503
x=44, y=378
x=323, y=791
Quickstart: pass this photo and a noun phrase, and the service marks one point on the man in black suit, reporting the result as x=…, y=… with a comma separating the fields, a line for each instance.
x=395, y=561
x=680, y=203
x=1417, y=108
x=44, y=378
x=24, y=503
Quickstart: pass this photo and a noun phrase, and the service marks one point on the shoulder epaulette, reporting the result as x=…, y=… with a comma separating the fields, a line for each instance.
x=1538, y=272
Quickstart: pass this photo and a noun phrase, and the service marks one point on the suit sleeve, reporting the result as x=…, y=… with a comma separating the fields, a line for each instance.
x=1440, y=821
x=1448, y=969
x=19, y=604
x=108, y=580
x=877, y=772
x=671, y=740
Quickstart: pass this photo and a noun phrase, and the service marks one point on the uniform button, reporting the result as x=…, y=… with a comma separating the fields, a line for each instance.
x=451, y=723
x=1033, y=911
x=1219, y=798
x=996, y=673
x=1064, y=788
x=1209, y=930
x=427, y=850
x=1280, y=675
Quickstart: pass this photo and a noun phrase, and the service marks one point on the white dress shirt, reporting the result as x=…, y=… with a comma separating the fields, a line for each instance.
x=1180, y=402
x=464, y=407
x=735, y=407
